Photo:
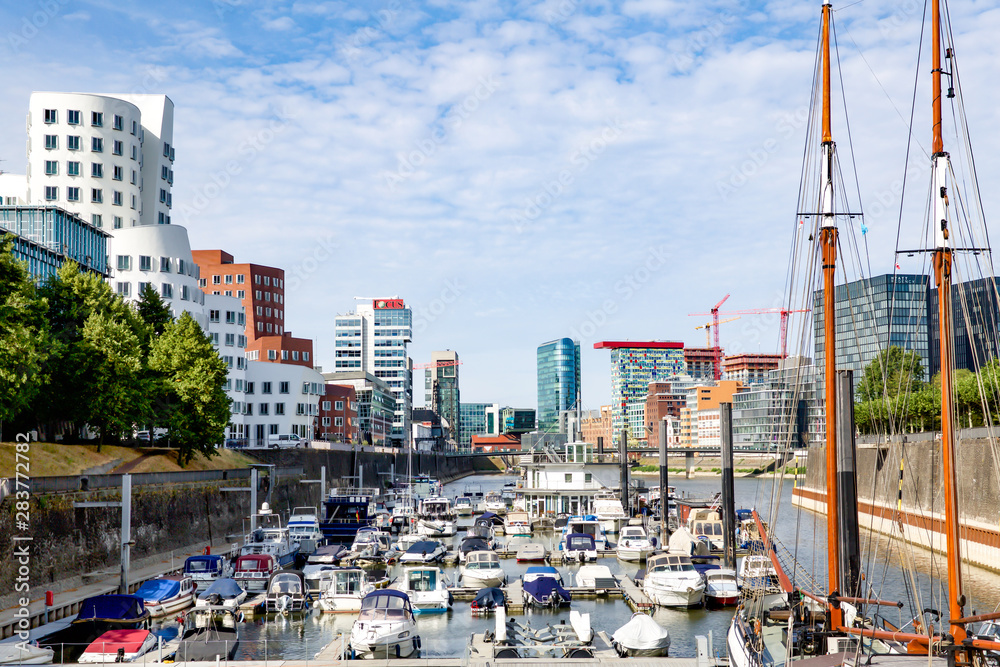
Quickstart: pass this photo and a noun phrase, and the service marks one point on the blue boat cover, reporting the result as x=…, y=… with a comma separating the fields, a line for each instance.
x=112, y=606
x=424, y=547
x=156, y=590
x=541, y=569
x=542, y=589
x=488, y=598
x=203, y=564
x=577, y=541
x=383, y=592
x=226, y=588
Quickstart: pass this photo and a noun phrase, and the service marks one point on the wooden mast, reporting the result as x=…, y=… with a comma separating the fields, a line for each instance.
x=828, y=242
x=942, y=277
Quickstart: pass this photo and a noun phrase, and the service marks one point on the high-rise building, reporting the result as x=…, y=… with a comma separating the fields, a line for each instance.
x=260, y=288
x=441, y=393
x=373, y=339
x=558, y=381
x=46, y=236
x=873, y=314
x=634, y=364
x=516, y=420
x=976, y=318
x=700, y=363
x=784, y=411
x=478, y=419
x=376, y=405
x=750, y=368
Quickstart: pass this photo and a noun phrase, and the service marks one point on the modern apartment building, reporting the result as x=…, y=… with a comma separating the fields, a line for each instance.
x=376, y=405
x=260, y=288
x=634, y=364
x=558, y=378
x=749, y=368
x=478, y=419
x=338, y=414
x=281, y=398
x=46, y=236
x=441, y=390
x=700, y=363
x=666, y=398
x=226, y=322
x=373, y=339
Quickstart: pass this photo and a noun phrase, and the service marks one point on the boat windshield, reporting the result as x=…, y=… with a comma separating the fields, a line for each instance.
x=286, y=583
x=588, y=527
x=422, y=580
x=708, y=528
x=580, y=542
x=383, y=607
x=200, y=566
x=633, y=533
x=347, y=582
x=672, y=564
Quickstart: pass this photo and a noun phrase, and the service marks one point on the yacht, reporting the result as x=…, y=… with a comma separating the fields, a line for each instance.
x=303, y=527
x=346, y=589
x=206, y=569
x=721, y=589
x=252, y=571
x=495, y=503
x=672, y=581
x=270, y=537
x=609, y=511
x=578, y=547
x=634, y=544
x=517, y=523
x=706, y=525
x=286, y=592
x=120, y=645
x=595, y=576
x=464, y=506
x=481, y=569
x=425, y=551
x=588, y=525
x=543, y=587
x=427, y=588
x=322, y=560
x=222, y=593
x=366, y=543
x=345, y=511
x=386, y=627
x=165, y=595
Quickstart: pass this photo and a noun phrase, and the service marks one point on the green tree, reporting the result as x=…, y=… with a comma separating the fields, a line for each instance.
x=118, y=383
x=154, y=313
x=893, y=372
x=23, y=335
x=191, y=376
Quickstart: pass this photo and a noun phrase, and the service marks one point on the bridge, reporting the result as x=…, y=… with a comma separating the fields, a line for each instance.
x=645, y=451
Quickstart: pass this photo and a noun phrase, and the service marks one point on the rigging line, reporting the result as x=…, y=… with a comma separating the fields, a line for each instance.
x=847, y=120
x=857, y=2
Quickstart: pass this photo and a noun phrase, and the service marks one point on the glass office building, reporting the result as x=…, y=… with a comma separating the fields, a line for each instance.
x=975, y=314
x=784, y=411
x=478, y=419
x=441, y=392
x=47, y=236
x=558, y=381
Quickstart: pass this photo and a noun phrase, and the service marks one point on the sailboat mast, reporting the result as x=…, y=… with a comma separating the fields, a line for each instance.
x=828, y=243
x=942, y=277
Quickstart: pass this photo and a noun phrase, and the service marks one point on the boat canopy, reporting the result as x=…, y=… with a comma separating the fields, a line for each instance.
x=225, y=588
x=287, y=581
x=580, y=541
x=131, y=640
x=114, y=607
x=254, y=563
x=424, y=547
x=155, y=590
x=488, y=598
x=542, y=569
x=203, y=564
x=473, y=544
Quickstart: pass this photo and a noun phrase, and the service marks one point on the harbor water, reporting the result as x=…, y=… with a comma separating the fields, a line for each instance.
x=301, y=637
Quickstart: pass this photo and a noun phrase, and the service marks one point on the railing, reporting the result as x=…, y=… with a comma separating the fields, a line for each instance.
x=70, y=484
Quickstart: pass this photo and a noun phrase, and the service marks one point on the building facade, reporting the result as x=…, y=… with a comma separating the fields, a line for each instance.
x=478, y=419
x=226, y=322
x=338, y=414
x=749, y=368
x=441, y=390
x=517, y=420
x=666, y=398
x=784, y=411
x=633, y=366
x=260, y=288
x=373, y=339
x=47, y=236
x=976, y=319
x=558, y=380
x=700, y=363
x=376, y=405
x=597, y=424
x=280, y=399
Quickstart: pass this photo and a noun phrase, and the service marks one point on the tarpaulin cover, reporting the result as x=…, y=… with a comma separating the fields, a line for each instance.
x=112, y=640
x=542, y=589
x=156, y=590
x=203, y=564
x=226, y=588
x=488, y=598
x=112, y=607
x=642, y=633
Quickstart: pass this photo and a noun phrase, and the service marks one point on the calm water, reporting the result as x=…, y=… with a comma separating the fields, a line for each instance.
x=447, y=635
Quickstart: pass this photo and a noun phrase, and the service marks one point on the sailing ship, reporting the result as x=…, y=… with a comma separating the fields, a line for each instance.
x=778, y=621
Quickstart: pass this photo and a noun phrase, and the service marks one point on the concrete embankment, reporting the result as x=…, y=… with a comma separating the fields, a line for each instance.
x=921, y=517
x=72, y=546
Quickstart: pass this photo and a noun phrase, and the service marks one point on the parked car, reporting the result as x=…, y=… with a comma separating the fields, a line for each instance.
x=283, y=440
x=236, y=443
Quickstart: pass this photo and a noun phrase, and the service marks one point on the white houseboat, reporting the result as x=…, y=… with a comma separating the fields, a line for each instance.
x=566, y=481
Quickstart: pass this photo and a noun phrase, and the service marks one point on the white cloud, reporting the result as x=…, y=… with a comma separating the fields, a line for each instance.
x=281, y=23
x=77, y=16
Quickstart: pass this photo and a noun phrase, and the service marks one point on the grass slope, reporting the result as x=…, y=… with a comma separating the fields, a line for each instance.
x=47, y=459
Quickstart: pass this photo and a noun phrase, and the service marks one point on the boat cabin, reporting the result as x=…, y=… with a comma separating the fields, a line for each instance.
x=668, y=563
x=386, y=605
x=205, y=568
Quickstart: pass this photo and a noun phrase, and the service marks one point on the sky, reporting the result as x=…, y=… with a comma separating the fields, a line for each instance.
x=516, y=171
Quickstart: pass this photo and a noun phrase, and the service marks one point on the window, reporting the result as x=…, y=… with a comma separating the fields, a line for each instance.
x=51, y=168
x=260, y=326
x=213, y=316
x=165, y=264
x=256, y=280
x=167, y=291
x=215, y=338
x=145, y=263
x=180, y=267
x=241, y=294
x=229, y=280
x=231, y=341
x=241, y=341
x=267, y=296
x=135, y=178
x=326, y=421
x=133, y=208
x=117, y=198
x=72, y=194
x=141, y=286
x=184, y=293
x=163, y=196
x=295, y=355
x=164, y=172
x=263, y=409
x=267, y=312
x=338, y=421
x=117, y=147
x=97, y=196
x=117, y=173
x=339, y=405
x=118, y=222
x=50, y=116
x=51, y=193
x=73, y=168
x=265, y=387
x=96, y=170
x=73, y=143
x=279, y=408
x=166, y=150
x=97, y=145
x=118, y=122
x=96, y=118
x=230, y=317
x=73, y=117
x=284, y=355
x=124, y=262
x=135, y=153
x=95, y=220
x=269, y=327
x=216, y=280
x=326, y=405
x=228, y=292
x=52, y=142
x=283, y=388
x=272, y=355
x=135, y=128
x=123, y=289
x=569, y=477
x=249, y=387
x=305, y=356
x=249, y=408
x=240, y=279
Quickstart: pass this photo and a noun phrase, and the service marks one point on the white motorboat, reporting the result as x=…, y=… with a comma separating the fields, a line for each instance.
x=634, y=544
x=579, y=547
x=464, y=506
x=406, y=541
x=436, y=508
x=532, y=552
x=386, y=627
x=165, y=595
x=270, y=537
x=495, y=503
x=303, y=527
x=517, y=523
x=347, y=588
x=589, y=525
x=672, y=581
x=707, y=527
x=221, y=593
x=206, y=568
x=132, y=643
x=321, y=561
x=286, y=592
x=481, y=569
x=22, y=653
x=721, y=589
x=426, y=551
x=366, y=543
x=608, y=509
x=641, y=637
x=595, y=576
x=543, y=587
x=435, y=528
x=427, y=588
x=252, y=571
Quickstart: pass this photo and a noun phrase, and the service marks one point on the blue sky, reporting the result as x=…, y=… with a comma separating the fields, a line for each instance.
x=516, y=171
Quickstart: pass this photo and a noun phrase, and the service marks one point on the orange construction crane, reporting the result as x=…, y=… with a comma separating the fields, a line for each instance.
x=784, y=312
x=716, y=350
x=709, y=326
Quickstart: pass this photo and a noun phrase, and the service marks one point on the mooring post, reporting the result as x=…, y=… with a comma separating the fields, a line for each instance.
x=126, y=531
x=322, y=485
x=728, y=489
x=623, y=461
x=663, y=481
x=253, y=499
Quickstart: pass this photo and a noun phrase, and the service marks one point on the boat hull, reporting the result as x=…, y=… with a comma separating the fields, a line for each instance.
x=672, y=594
x=473, y=578
x=340, y=604
x=633, y=554
x=170, y=605
x=370, y=644
x=713, y=601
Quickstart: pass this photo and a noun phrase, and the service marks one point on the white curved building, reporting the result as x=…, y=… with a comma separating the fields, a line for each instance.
x=226, y=327
x=160, y=255
x=107, y=159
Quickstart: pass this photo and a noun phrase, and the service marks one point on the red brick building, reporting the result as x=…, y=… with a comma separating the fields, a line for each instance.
x=661, y=402
x=261, y=288
x=283, y=349
x=498, y=444
x=750, y=368
x=338, y=414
